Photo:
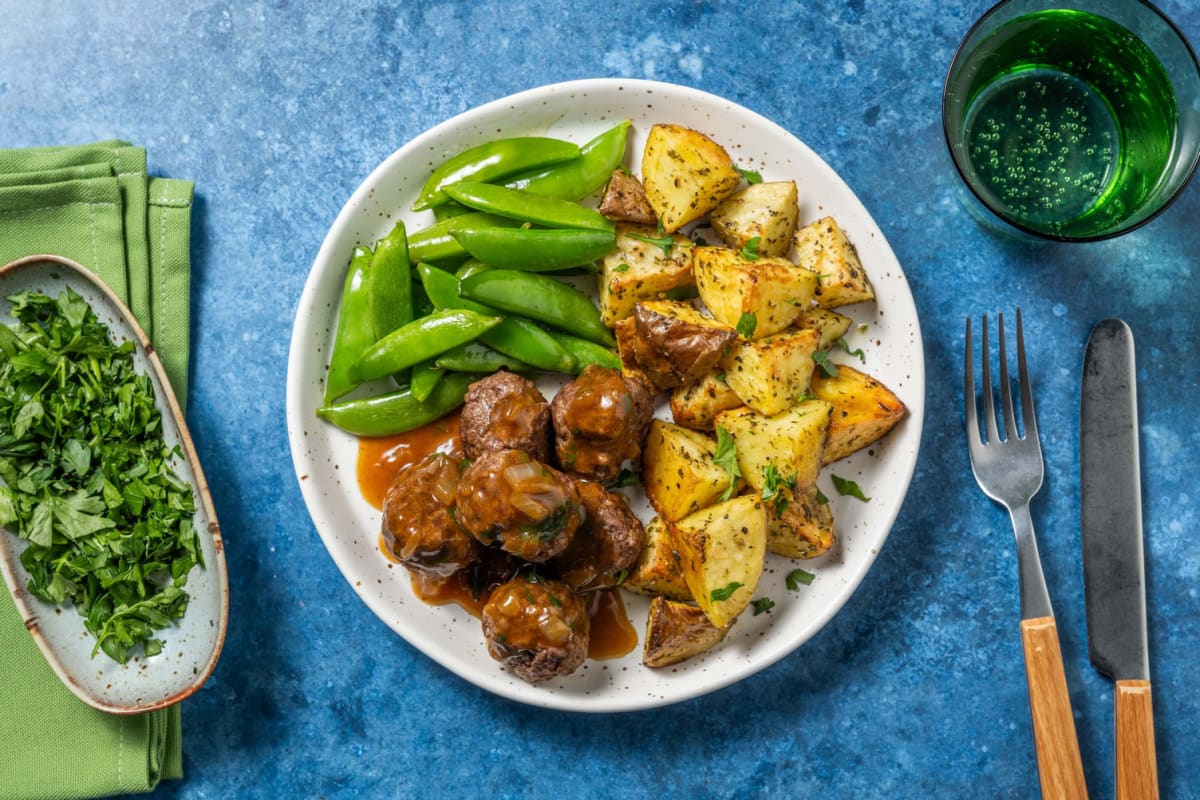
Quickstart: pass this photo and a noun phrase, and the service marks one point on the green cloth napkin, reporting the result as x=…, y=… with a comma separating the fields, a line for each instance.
x=94, y=204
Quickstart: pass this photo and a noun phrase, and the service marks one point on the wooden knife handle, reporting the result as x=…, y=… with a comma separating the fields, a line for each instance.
x=1137, y=769
x=1060, y=767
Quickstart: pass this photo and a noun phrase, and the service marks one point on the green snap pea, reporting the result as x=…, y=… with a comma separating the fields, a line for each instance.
x=492, y=161
x=539, y=297
x=579, y=177
x=534, y=250
x=355, y=331
x=449, y=210
x=421, y=340
x=470, y=267
x=527, y=206
x=477, y=357
x=514, y=337
x=587, y=352
x=390, y=283
x=436, y=244
x=400, y=411
x=424, y=379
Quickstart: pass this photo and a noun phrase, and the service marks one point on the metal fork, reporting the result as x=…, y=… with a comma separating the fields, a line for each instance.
x=1009, y=469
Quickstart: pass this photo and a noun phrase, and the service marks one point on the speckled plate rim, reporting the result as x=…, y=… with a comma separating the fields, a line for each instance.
x=324, y=458
x=143, y=684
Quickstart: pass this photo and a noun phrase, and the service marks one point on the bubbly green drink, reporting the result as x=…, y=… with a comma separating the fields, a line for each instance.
x=1063, y=122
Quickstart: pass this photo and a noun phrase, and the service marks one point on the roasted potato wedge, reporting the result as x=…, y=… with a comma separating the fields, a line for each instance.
x=774, y=290
x=625, y=200
x=791, y=442
x=721, y=551
x=823, y=248
x=675, y=343
x=768, y=211
x=864, y=410
x=799, y=525
x=638, y=270
x=686, y=174
x=657, y=571
x=678, y=470
x=830, y=324
x=676, y=632
x=696, y=405
x=770, y=375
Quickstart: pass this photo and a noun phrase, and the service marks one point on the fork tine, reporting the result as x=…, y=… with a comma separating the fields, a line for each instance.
x=1028, y=417
x=1010, y=418
x=972, y=415
x=989, y=407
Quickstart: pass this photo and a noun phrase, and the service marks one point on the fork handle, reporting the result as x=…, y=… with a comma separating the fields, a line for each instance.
x=1137, y=773
x=1060, y=767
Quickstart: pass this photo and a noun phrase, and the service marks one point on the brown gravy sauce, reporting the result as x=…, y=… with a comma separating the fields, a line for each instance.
x=381, y=459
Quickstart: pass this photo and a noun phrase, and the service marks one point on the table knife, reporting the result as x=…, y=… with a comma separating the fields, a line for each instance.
x=1113, y=569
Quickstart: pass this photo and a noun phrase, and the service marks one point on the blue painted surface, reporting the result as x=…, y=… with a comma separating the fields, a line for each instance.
x=916, y=689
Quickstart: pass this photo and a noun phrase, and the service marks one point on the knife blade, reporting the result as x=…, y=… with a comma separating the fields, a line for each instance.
x=1113, y=565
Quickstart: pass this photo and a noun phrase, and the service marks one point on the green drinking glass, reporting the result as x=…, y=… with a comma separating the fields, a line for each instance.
x=1073, y=121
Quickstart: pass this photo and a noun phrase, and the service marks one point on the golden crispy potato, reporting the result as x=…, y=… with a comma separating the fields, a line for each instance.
x=678, y=470
x=774, y=290
x=696, y=405
x=830, y=324
x=721, y=551
x=768, y=211
x=685, y=174
x=791, y=443
x=625, y=200
x=677, y=631
x=675, y=343
x=799, y=525
x=638, y=270
x=864, y=410
x=657, y=570
x=823, y=248
x=771, y=374
x=626, y=334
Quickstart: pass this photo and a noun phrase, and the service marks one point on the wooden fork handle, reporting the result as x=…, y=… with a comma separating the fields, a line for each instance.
x=1137, y=770
x=1060, y=767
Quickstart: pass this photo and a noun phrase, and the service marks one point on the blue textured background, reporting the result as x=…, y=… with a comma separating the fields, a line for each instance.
x=916, y=689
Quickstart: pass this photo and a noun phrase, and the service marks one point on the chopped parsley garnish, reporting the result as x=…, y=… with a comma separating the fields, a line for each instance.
x=772, y=483
x=821, y=498
x=822, y=359
x=554, y=601
x=848, y=488
x=798, y=577
x=762, y=605
x=726, y=458
x=626, y=477
x=552, y=525
x=750, y=250
x=87, y=478
x=665, y=242
x=622, y=267
x=725, y=592
x=619, y=576
x=808, y=395
x=859, y=354
x=700, y=240
x=682, y=293
x=750, y=175
x=747, y=323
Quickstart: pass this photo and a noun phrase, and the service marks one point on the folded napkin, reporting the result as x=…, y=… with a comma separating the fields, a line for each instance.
x=96, y=205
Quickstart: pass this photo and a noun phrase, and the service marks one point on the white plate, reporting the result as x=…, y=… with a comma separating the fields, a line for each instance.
x=191, y=645
x=325, y=457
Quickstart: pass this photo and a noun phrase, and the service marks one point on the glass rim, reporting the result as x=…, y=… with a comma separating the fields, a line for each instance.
x=1098, y=237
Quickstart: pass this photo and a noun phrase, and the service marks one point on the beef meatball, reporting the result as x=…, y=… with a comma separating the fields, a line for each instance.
x=539, y=628
x=600, y=419
x=530, y=509
x=418, y=526
x=608, y=543
x=505, y=412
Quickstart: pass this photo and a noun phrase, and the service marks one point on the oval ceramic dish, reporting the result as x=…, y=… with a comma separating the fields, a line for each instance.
x=191, y=646
x=325, y=457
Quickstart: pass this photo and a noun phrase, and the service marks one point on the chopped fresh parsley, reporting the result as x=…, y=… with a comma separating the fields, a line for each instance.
x=750, y=249
x=859, y=354
x=798, y=577
x=848, y=488
x=821, y=498
x=619, y=576
x=626, y=477
x=725, y=592
x=700, y=241
x=750, y=175
x=622, y=267
x=726, y=458
x=87, y=479
x=682, y=293
x=747, y=323
x=822, y=359
x=762, y=605
x=665, y=242
x=772, y=483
